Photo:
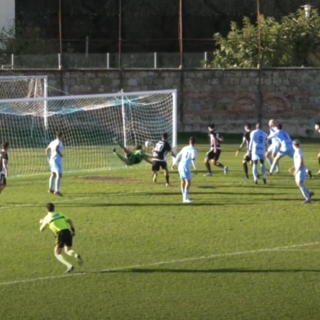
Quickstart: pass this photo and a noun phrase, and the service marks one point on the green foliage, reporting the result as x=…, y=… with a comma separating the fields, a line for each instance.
x=21, y=38
x=294, y=41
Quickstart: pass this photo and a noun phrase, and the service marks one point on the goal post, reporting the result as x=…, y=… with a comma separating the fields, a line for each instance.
x=89, y=124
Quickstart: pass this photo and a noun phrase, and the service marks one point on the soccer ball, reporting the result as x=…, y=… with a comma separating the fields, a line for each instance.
x=148, y=144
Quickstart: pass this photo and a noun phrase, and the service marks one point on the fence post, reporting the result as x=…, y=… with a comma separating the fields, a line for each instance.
x=12, y=61
x=87, y=46
x=155, y=60
x=108, y=60
x=59, y=61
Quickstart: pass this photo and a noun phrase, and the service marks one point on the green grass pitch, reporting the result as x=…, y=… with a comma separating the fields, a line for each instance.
x=239, y=252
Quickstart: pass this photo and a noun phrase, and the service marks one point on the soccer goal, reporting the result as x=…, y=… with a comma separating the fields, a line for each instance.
x=89, y=124
x=15, y=87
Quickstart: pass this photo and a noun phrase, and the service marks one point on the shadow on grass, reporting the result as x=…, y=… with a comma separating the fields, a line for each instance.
x=224, y=270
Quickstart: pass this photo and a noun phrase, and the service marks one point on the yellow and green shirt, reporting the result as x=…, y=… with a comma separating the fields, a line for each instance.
x=56, y=221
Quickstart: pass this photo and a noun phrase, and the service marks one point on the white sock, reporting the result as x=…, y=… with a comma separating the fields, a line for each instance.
x=62, y=260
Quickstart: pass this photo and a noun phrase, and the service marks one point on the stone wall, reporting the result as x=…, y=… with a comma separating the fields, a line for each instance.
x=229, y=98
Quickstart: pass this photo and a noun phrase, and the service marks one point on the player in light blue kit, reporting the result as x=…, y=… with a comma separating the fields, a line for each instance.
x=54, y=153
x=186, y=156
x=285, y=147
x=257, y=148
x=300, y=171
x=273, y=147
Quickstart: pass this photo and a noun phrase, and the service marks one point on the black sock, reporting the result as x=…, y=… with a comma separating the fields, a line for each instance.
x=245, y=168
x=167, y=179
x=208, y=167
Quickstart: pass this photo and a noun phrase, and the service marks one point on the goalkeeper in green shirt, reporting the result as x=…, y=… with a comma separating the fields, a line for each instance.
x=131, y=157
x=59, y=224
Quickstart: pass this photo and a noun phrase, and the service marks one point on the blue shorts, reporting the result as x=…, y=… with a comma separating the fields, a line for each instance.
x=185, y=173
x=56, y=166
x=272, y=148
x=257, y=156
x=301, y=175
x=288, y=153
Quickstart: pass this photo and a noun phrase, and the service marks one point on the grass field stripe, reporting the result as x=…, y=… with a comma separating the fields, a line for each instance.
x=219, y=255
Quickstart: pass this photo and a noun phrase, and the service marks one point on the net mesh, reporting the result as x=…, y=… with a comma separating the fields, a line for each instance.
x=89, y=124
x=21, y=87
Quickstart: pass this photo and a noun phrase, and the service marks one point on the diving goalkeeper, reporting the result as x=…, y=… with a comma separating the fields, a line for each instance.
x=131, y=157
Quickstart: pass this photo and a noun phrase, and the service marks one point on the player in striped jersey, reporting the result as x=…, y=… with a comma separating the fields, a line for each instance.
x=214, y=152
x=247, y=156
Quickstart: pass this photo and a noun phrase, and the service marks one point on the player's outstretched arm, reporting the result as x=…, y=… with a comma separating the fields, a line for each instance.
x=43, y=224
x=240, y=147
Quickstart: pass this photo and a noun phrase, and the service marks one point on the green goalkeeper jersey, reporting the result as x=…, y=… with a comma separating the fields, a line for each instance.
x=136, y=157
x=56, y=221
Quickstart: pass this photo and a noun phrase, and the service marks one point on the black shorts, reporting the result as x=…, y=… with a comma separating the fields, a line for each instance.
x=64, y=238
x=156, y=165
x=3, y=180
x=247, y=157
x=213, y=155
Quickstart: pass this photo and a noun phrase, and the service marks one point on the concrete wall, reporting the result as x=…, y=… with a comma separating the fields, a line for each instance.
x=7, y=12
x=228, y=98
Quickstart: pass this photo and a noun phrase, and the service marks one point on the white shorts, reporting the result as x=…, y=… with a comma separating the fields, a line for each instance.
x=185, y=173
x=300, y=176
x=257, y=156
x=272, y=148
x=56, y=166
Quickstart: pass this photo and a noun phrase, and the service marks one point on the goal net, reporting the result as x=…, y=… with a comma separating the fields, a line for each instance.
x=89, y=123
x=15, y=87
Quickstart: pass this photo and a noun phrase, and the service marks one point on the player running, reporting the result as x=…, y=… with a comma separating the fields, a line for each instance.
x=272, y=150
x=59, y=224
x=54, y=154
x=247, y=156
x=214, y=152
x=284, y=147
x=131, y=157
x=159, y=158
x=317, y=128
x=300, y=171
x=257, y=147
x=186, y=156
x=4, y=172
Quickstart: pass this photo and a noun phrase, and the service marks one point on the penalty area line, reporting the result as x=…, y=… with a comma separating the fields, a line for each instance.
x=159, y=263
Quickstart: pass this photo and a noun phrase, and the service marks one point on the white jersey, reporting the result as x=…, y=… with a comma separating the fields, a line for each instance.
x=186, y=156
x=54, y=156
x=273, y=140
x=258, y=141
x=298, y=155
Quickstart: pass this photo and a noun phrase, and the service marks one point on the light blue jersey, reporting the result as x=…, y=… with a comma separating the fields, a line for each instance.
x=283, y=138
x=257, y=146
x=185, y=157
x=54, y=146
x=273, y=147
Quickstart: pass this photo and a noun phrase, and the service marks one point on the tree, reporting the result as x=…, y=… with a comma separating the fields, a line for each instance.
x=294, y=41
x=20, y=38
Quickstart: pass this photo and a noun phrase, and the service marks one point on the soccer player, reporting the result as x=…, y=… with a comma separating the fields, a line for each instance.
x=272, y=150
x=54, y=154
x=247, y=156
x=300, y=171
x=186, y=156
x=317, y=128
x=214, y=152
x=257, y=147
x=59, y=224
x=284, y=147
x=131, y=158
x=159, y=158
x=4, y=172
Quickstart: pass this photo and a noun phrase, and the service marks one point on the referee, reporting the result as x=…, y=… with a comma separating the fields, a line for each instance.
x=59, y=224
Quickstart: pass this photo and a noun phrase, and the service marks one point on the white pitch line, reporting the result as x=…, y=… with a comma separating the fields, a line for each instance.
x=219, y=255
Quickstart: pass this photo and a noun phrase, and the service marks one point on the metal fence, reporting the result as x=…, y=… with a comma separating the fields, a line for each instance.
x=156, y=60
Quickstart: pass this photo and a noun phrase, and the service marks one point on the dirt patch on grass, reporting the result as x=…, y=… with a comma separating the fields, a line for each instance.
x=109, y=179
